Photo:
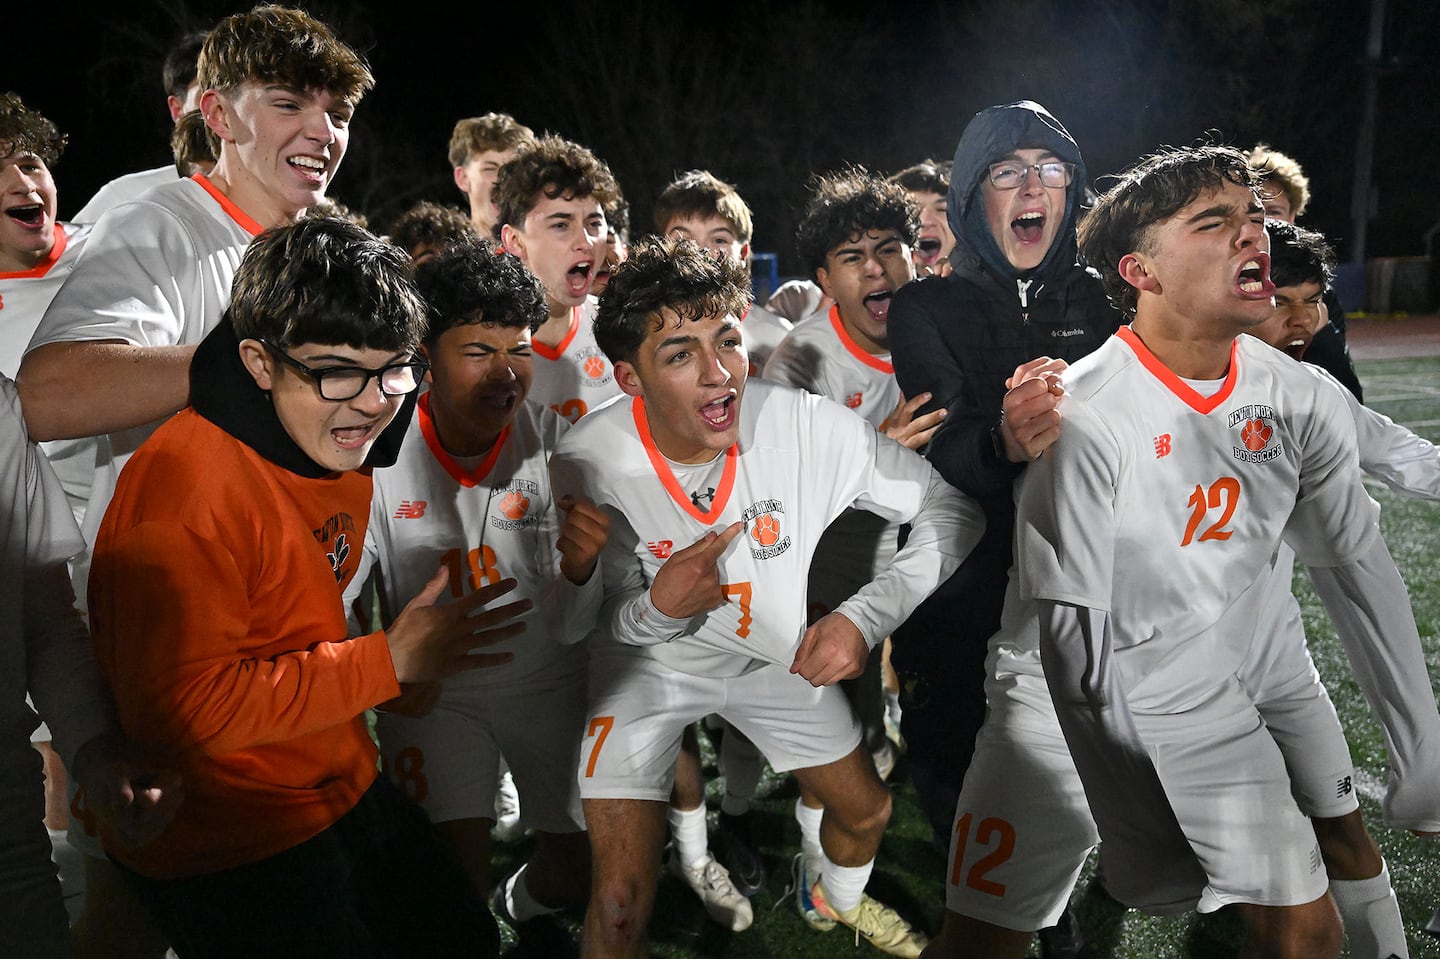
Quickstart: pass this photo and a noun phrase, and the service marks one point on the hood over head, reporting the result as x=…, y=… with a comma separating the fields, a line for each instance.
x=991, y=135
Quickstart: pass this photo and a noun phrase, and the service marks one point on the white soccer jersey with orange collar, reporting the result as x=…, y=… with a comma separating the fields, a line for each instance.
x=24, y=294
x=494, y=520
x=1165, y=508
x=799, y=462
x=819, y=356
x=574, y=376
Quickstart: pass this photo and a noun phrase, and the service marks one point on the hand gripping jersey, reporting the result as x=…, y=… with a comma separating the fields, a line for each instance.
x=574, y=376
x=800, y=461
x=484, y=524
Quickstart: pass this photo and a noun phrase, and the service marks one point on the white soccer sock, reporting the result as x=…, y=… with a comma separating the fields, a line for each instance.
x=1372, y=916
x=518, y=901
x=809, y=820
x=844, y=885
x=741, y=764
x=687, y=832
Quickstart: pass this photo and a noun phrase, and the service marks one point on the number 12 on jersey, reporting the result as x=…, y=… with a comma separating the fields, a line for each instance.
x=1223, y=495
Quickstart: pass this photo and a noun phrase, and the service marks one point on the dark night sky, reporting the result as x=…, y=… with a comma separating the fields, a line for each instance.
x=763, y=93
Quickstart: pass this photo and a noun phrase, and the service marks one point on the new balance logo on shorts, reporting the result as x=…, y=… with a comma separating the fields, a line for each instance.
x=410, y=509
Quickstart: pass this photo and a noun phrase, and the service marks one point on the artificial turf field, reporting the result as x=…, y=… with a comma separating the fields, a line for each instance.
x=909, y=870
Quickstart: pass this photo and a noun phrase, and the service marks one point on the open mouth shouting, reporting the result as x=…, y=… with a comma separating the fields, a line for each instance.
x=1297, y=344
x=578, y=278
x=29, y=215
x=928, y=247
x=720, y=414
x=877, y=304
x=1252, y=280
x=355, y=438
x=1029, y=227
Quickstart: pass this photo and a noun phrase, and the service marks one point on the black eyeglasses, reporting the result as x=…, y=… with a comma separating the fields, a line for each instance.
x=340, y=383
x=1010, y=174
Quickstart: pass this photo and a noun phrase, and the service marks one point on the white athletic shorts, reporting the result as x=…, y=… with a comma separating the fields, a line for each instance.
x=449, y=760
x=639, y=709
x=1023, y=829
x=1280, y=676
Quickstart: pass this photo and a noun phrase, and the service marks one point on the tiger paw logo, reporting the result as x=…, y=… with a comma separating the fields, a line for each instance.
x=510, y=504
x=661, y=549
x=592, y=366
x=766, y=530
x=854, y=400
x=764, y=521
x=1257, y=440
x=1255, y=434
x=514, y=504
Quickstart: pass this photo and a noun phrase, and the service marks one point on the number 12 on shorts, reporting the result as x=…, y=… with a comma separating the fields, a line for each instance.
x=990, y=831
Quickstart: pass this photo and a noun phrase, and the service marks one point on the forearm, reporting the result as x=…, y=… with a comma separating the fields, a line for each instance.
x=77, y=389
x=963, y=450
x=61, y=674
x=943, y=531
x=1368, y=603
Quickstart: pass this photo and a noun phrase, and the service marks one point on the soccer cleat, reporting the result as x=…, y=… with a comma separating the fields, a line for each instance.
x=801, y=881
x=733, y=849
x=872, y=921
x=709, y=880
x=507, y=811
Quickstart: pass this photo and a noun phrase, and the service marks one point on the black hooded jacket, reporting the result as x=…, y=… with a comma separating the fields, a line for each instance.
x=959, y=337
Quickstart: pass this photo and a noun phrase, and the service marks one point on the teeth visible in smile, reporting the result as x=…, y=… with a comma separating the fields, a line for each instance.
x=309, y=163
x=1028, y=218
x=30, y=213
x=1251, y=277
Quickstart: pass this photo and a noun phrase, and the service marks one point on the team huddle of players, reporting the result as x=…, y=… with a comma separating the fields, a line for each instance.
x=1004, y=483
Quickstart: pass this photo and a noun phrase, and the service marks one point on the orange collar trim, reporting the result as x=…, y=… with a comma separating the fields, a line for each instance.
x=466, y=478
x=869, y=359
x=1182, y=390
x=247, y=223
x=555, y=352
x=40, y=269
x=667, y=477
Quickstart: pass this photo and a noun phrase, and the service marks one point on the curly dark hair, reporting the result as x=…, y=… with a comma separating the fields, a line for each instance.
x=431, y=224
x=1298, y=255
x=666, y=280
x=553, y=167
x=23, y=130
x=1156, y=188
x=472, y=282
x=326, y=280
x=849, y=203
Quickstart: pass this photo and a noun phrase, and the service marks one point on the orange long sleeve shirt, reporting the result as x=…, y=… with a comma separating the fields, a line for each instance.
x=215, y=602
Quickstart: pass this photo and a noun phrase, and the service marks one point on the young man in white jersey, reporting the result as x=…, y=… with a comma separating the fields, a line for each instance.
x=111, y=356
x=928, y=184
x=705, y=597
x=551, y=199
x=702, y=207
x=471, y=491
x=1285, y=685
x=1143, y=603
x=479, y=147
x=856, y=234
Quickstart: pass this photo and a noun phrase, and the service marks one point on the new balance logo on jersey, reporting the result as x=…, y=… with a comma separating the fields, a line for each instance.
x=1162, y=445
x=763, y=526
x=1316, y=863
x=410, y=509
x=661, y=548
x=1256, y=434
x=854, y=400
x=1343, y=787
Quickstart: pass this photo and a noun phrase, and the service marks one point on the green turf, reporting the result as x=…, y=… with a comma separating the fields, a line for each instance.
x=909, y=871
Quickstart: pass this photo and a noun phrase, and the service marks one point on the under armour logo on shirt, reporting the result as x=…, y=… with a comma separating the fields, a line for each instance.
x=696, y=496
